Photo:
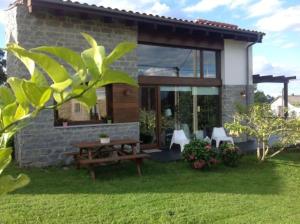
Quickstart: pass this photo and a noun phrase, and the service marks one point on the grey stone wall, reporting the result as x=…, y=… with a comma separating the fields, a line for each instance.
x=42, y=144
x=231, y=96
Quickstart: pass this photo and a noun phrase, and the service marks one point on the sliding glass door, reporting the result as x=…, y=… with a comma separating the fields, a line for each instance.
x=195, y=110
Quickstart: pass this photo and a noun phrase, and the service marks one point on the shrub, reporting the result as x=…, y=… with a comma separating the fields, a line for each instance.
x=103, y=135
x=199, y=154
x=230, y=154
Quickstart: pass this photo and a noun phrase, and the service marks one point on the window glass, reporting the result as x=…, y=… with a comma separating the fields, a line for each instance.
x=167, y=61
x=209, y=64
x=74, y=112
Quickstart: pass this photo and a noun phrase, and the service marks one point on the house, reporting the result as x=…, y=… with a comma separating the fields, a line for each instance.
x=293, y=106
x=191, y=74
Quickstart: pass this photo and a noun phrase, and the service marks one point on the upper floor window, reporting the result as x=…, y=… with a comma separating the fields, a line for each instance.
x=209, y=64
x=176, y=62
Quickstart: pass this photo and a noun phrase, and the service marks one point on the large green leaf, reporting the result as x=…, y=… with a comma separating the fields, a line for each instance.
x=6, y=96
x=120, y=50
x=16, y=85
x=60, y=97
x=5, y=158
x=38, y=96
x=61, y=86
x=88, y=58
x=68, y=55
x=36, y=75
x=89, y=98
x=21, y=112
x=9, y=184
x=115, y=76
x=90, y=40
x=8, y=114
x=56, y=71
x=97, y=53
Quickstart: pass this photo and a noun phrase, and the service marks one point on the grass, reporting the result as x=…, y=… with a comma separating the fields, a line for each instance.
x=167, y=193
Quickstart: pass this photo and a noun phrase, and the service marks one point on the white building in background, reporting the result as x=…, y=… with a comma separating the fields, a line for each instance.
x=293, y=105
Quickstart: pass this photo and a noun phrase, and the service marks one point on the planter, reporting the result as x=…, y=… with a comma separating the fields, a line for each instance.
x=105, y=140
x=65, y=124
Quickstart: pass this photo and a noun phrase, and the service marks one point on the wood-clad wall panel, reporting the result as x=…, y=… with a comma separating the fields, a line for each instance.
x=124, y=103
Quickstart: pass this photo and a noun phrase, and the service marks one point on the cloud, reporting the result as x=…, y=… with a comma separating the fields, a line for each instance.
x=159, y=9
x=209, y=5
x=281, y=20
x=264, y=67
x=147, y=6
x=264, y=7
x=261, y=65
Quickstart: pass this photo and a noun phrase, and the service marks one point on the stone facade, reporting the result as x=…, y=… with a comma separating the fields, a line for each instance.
x=42, y=144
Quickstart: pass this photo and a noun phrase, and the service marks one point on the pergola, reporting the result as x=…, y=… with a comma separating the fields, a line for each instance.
x=276, y=79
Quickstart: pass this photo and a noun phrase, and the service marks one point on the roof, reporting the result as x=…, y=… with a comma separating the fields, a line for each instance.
x=257, y=78
x=292, y=99
x=200, y=24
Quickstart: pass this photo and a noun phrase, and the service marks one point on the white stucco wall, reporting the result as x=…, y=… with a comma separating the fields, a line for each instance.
x=233, y=66
x=277, y=107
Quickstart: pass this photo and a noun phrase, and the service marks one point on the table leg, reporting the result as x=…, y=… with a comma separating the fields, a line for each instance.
x=91, y=168
x=133, y=147
x=138, y=166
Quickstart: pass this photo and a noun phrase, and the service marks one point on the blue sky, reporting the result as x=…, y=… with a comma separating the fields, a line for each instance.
x=279, y=54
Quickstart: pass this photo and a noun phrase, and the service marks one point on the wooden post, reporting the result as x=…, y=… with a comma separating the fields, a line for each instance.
x=285, y=98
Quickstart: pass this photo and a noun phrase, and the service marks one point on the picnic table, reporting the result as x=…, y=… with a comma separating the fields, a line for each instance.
x=95, y=153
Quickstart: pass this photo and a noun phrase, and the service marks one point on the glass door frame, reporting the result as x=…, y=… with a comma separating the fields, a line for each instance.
x=157, y=113
x=158, y=109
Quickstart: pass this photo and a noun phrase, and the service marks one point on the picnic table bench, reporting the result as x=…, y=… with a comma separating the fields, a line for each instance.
x=95, y=153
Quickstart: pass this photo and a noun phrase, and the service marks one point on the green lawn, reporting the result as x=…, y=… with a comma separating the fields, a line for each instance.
x=167, y=193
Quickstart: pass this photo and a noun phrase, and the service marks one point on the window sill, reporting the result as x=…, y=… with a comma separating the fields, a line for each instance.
x=92, y=125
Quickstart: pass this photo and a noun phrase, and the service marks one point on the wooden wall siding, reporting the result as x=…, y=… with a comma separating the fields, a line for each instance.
x=124, y=103
x=180, y=39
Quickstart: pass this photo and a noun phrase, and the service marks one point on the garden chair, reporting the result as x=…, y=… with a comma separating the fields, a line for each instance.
x=219, y=135
x=180, y=138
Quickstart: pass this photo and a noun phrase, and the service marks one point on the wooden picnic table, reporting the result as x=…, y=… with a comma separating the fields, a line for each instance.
x=95, y=153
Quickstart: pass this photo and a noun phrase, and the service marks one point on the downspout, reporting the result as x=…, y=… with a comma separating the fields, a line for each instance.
x=248, y=75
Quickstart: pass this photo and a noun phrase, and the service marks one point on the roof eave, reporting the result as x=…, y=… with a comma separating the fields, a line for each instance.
x=138, y=17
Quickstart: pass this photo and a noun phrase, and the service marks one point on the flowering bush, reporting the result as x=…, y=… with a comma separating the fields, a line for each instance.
x=230, y=154
x=199, y=154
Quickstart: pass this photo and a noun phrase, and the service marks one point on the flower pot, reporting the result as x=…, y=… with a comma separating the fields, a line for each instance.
x=65, y=124
x=105, y=140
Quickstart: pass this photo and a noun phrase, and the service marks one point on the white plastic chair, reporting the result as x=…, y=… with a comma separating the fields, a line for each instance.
x=219, y=135
x=179, y=138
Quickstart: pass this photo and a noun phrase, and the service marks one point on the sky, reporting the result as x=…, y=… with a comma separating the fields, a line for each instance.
x=279, y=54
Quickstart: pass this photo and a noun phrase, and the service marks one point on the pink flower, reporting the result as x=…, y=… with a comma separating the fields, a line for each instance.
x=208, y=147
x=199, y=164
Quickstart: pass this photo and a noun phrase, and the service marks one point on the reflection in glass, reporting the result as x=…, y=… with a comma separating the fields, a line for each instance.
x=193, y=109
x=209, y=64
x=148, y=115
x=167, y=61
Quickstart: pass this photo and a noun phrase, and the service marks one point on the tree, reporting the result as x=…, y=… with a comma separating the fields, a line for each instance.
x=260, y=97
x=2, y=67
x=25, y=99
x=261, y=123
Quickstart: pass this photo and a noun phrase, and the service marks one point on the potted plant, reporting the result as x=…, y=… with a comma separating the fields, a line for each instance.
x=109, y=120
x=104, y=138
x=147, y=125
x=200, y=154
x=230, y=154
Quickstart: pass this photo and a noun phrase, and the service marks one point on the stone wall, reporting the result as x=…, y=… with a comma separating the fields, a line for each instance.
x=231, y=97
x=42, y=144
